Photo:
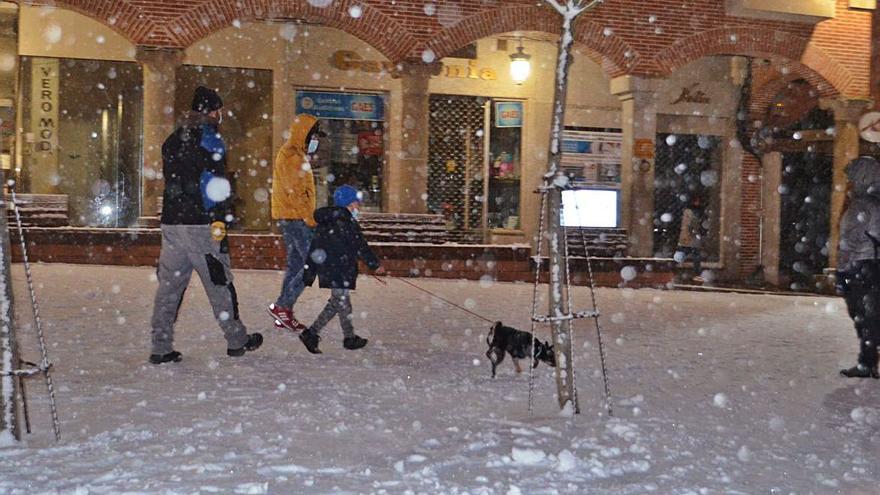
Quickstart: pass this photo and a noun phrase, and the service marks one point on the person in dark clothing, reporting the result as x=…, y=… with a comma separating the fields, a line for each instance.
x=858, y=274
x=690, y=239
x=194, y=218
x=336, y=248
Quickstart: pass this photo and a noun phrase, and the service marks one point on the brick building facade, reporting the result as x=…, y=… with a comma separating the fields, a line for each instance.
x=635, y=43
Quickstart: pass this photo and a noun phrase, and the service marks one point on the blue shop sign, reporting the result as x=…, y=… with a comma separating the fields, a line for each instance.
x=572, y=146
x=508, y=114
x=345, y=106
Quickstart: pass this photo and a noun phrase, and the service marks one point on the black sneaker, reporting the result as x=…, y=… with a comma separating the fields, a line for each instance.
x=254, y=341
x=354, y=342
x=860, y=371
x=310, y=339
x=171, y=357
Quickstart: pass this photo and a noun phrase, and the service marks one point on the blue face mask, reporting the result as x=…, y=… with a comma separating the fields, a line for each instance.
x=313, y=146
x=355, y=213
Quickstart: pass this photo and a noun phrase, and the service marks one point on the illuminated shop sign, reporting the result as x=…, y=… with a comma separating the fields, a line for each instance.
x=345, y=106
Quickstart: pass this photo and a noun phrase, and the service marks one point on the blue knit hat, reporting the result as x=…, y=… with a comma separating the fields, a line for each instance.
x=345, y=195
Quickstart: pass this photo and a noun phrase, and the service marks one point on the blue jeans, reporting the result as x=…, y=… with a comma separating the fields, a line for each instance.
x=297, y=238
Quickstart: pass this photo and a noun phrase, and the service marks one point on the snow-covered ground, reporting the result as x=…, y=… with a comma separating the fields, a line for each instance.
x=714, y=393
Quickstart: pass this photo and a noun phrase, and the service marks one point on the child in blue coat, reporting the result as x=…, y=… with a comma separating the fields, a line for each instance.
x=333, y=258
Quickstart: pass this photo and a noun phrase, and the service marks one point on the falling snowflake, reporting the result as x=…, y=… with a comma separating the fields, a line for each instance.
x=218, y=189
x=52, y=33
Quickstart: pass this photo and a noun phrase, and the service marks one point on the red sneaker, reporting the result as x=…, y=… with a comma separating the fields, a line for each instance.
x=296, y=324
x=284, y=318
x=281, y=316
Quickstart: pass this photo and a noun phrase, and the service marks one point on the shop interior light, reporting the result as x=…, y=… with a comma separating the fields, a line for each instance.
x=520, y=66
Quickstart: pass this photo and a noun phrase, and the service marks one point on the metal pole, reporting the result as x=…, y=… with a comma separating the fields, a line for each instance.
x=487, y=141
x=467, y=178
x=8, y=346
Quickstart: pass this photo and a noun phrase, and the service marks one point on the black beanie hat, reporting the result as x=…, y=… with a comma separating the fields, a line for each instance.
x=206, y=100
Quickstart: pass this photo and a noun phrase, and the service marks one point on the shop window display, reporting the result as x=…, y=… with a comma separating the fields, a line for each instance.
x=8, y=44
x=687, y=175
x=353, y=155
x=473, y=138
x=82, y=126
x=352, y=147
x=505, y=167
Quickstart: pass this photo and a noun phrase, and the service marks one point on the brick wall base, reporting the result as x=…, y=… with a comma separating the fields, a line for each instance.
x=140, y=247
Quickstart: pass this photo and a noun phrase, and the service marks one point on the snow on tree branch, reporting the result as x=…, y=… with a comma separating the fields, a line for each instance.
x=572, y=8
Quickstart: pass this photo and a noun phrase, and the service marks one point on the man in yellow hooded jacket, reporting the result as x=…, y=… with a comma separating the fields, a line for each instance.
x=293, y=206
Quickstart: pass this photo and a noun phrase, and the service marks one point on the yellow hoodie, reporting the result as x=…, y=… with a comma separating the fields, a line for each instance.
x=293, y=186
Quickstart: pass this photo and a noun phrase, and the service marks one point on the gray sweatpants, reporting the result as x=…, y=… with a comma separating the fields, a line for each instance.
x=339, y=303
x=186, y=248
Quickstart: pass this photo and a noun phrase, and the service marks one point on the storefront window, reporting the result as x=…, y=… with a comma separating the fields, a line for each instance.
x=687, y=175
x=8, y=49
x=247, y=131
x=352, y=149
x=591, y=158
x=461, y=129
x=83, y=126
x=505, y=164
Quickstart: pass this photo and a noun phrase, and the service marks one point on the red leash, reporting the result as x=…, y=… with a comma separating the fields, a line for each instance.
x=414, y=286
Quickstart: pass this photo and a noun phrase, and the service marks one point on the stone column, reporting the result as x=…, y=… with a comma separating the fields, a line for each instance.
x=407, y=179
x=875, y=58
x=846, y=147
x=731, y=183
x=159, y=68
x=771, y=213
x=731, y=207
x=639, y=126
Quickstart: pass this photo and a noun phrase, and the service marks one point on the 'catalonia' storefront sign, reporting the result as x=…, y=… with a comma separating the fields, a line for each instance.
x=350, y=60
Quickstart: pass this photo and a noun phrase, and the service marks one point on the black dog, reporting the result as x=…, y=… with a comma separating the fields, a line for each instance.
x=517, y=343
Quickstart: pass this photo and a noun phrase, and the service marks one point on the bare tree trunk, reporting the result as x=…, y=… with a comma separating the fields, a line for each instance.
x=558, y=283
x=8, y=346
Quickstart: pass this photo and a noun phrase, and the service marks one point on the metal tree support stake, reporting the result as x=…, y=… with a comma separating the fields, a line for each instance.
x=569, y=10
x=44, y=365
x=8, y=345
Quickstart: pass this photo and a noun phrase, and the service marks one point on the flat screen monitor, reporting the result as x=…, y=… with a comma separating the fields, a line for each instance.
x=590, y=208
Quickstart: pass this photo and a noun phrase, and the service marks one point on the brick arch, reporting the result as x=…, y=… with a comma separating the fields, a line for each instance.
x=802, y=58
x=611, y=51
x=127, y=26
x=373, y=27
x=179, y=26
x=763, y=94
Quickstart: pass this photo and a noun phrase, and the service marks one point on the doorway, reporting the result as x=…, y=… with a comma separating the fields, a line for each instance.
x=804, y=217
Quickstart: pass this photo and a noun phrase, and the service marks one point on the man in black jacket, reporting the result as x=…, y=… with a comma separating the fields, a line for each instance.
x=336, y=248
x=858, y=275
x=194, y=217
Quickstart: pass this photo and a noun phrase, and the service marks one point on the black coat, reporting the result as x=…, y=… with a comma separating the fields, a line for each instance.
x=336, y=248
x=191, y=156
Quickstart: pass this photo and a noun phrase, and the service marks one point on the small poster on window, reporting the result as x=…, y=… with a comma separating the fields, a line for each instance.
x=508, y=114
x=609, y=172
x=592, y=157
